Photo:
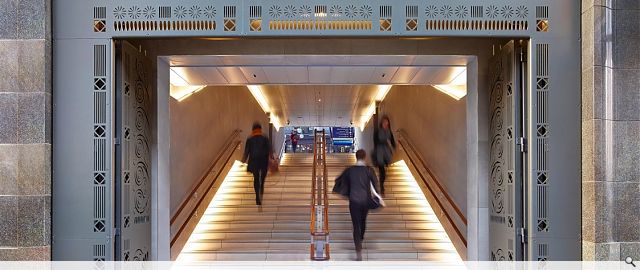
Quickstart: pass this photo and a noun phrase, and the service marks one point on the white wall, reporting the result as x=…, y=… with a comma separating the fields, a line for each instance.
x=200, y=125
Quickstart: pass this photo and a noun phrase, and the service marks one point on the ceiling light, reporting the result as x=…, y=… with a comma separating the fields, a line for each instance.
x=181, y=93
x=382, y=91
x=461, y=78
x=256, y=91
x=176, y=79
x=367, y=116
x=179, y=88
x=457, y=87
x=455, y=91
x=276, y=122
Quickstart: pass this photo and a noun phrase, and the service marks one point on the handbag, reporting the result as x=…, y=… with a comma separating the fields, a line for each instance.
x=375, y=201
x=340, y=187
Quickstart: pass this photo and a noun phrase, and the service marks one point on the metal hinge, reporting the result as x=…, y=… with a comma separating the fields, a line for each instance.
x=116, y=141
x=116, y=231
x=523, y=235
x=523, y=56
x=522, y=142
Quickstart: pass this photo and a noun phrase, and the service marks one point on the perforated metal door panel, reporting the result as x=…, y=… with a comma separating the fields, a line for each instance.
x=133, y=156
x=505, y=208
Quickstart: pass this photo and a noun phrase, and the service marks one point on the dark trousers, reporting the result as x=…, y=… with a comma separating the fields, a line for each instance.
x=382, y=169
x=359, y=212
x=294, y=146
x=258, y=183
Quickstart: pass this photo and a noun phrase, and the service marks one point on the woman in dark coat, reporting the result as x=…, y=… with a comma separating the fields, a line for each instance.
x=385, y=144
x=256, y=154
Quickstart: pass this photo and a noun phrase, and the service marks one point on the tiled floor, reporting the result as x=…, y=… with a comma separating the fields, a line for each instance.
x=234, y=228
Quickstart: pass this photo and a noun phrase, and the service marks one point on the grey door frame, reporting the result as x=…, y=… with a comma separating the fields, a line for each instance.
x=83, y=49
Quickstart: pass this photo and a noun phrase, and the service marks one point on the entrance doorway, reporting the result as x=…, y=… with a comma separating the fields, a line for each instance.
x=478, y=124
x=406, y=71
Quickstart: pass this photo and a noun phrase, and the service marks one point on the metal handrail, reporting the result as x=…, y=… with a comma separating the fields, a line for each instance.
x=319, y=226
x=226, y=146
x=231, y=144
x=405, y=142
x=435, y=179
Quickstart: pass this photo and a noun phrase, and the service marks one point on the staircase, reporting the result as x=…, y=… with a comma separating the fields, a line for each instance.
x=406, y=229
x=234, y=228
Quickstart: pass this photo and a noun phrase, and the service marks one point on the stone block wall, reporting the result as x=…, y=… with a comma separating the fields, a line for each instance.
x=611, y=129
x=25, y=130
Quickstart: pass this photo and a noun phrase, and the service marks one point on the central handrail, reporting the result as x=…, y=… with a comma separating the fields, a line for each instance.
x=319, y=200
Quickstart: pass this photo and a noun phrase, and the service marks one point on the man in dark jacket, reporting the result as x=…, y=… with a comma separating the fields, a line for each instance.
x=355, y=182
x=256, y=154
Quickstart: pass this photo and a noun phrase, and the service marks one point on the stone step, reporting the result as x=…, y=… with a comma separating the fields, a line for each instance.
x=303, y=247
x=236, y=229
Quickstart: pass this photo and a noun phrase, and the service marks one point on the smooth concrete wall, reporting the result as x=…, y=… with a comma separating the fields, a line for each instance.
x=200, y=125
x=364, y=138
x=278, y=141
x=436, y=124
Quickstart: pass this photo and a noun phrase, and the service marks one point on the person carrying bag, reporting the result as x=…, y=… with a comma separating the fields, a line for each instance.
x=360, y=184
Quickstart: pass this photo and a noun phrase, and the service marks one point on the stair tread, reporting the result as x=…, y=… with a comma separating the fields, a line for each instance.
x=236, y=229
